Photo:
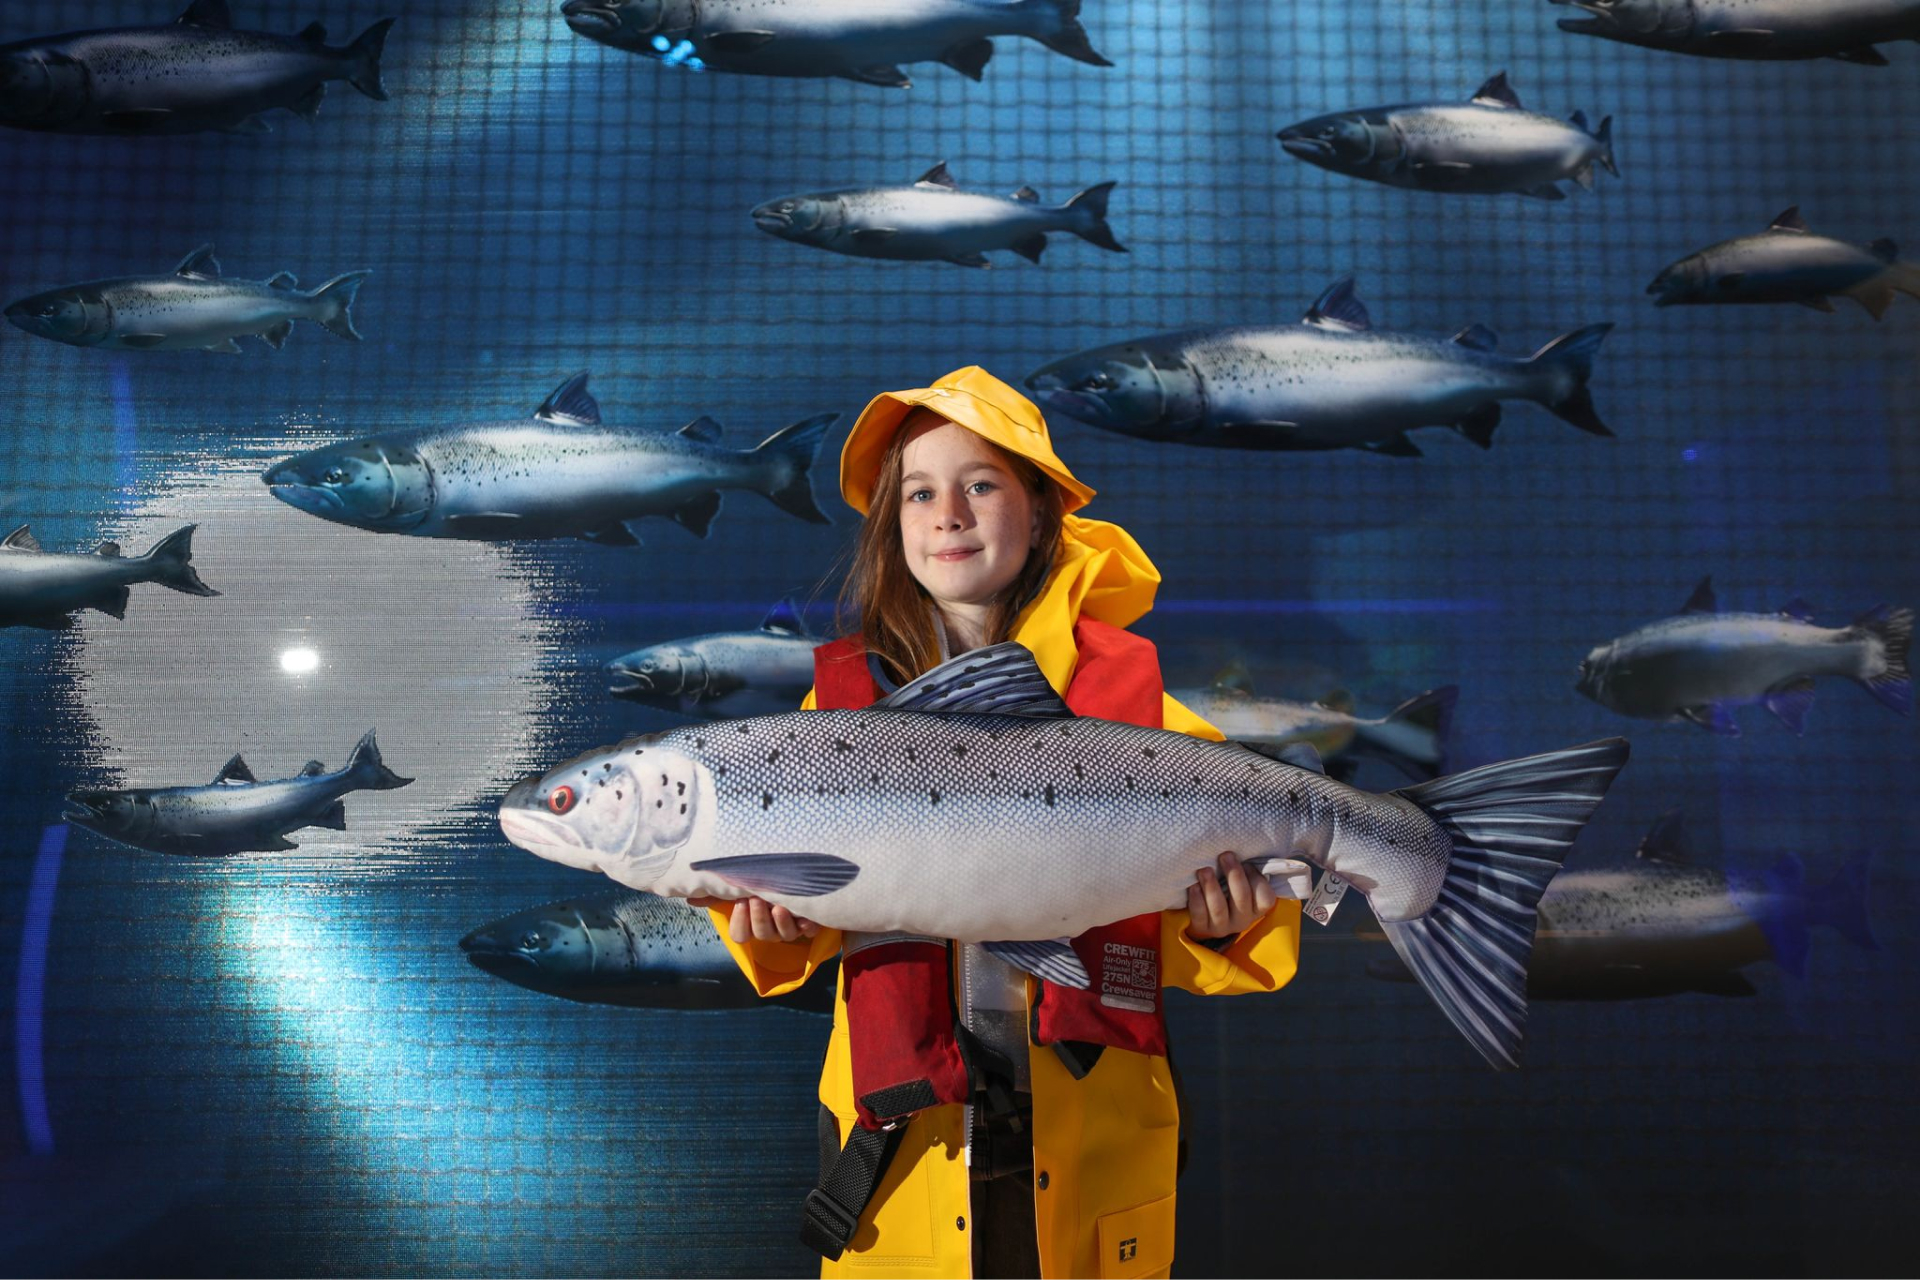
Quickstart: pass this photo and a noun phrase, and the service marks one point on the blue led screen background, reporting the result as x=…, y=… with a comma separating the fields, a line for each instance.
x=283, y=1064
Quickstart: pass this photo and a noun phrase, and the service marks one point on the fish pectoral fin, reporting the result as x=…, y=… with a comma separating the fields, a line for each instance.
x=114, y=603
x=136, y=119
x=617, y=534
x=309, y=104
x=335, y=817
x=1001, y=679
x=737, y=41
x=1053, y=959
x=225, y=347
x=276, y=844
x=252, y=125
x=1865, y=56
x=1730, y=281
x=142, y=341
x=1732, y=44
x=1545, y=191
x=1031, y=248
x=1440, y=174
x=1731, y=983
x=1714, y=717
x=234, y=771
x=485, y=524
x=866, y=237
x=798, y=875
x=1790, y=701
x=884, y=74
x=1584, y=176
x=276, y=337
x=697, y=515
x=970, y=260
x=1822, y=303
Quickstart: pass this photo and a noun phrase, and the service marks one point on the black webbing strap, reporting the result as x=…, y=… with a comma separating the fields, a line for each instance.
x=832, y=1211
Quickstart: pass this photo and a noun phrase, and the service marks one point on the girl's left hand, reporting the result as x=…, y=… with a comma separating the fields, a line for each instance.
x=1218, y=913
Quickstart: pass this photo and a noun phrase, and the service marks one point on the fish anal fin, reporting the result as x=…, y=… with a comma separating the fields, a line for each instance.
x=114, y=603
x=1790, y=700
x=696, y=515
x=734, y=42
x=335, y=817
x=136, y=119
x=886, y=75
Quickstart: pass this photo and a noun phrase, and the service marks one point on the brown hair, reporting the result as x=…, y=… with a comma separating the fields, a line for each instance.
x=893, y=610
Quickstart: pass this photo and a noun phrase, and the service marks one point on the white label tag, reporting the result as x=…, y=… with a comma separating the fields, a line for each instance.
x=1326, y=898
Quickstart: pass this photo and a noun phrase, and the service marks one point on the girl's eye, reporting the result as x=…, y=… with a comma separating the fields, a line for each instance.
x=981, y=486
x=919, y=495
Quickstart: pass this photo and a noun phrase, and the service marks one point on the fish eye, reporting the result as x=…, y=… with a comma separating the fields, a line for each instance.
x=1096, y=382
x=47, y=311
x=788, y=206
x=532, y=941
x=560, y=799
x=336, y=475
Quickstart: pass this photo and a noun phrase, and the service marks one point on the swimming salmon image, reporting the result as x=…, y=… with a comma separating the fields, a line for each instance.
x=971, y=804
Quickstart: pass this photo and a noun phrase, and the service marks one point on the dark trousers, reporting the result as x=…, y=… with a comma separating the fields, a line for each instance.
x=1006, y=1245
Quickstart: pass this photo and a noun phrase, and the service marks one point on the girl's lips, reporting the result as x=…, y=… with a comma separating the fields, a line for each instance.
x=958, y=554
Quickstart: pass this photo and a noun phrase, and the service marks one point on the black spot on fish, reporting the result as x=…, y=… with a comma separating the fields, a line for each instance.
x=1078, y=772
x=766, y=799
x=683, y=808
x=1129, y=782
x=698, y=742
x=792, y=736
x=1164, y=793
x=745, y=732
x=1293, y=797
x=619, y=794
x=959, y=749
x=875, y=779
x=663, y=779
x=1148, y=752
x=1026, y=795
x=1047, y=795
x=912, y=755
x=659, y=804
x=679, y=788
x=936, y=795
x=773, y=755
x=842, y=745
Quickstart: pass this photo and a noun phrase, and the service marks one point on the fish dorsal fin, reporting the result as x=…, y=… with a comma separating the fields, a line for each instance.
x=703, y=429
x=111, y=550
x=284, y=280
x=1702, y=601
x=1885, y=250
x=571, y=403
x=1234, y=678
x=1301, y=755
x=1666, y=840
x=1497, y=93
x=314, y=34
x=1337, y=308
x=1001, y=679
x=21, y=539
x=937, y=177
x=1339, y=700
x=312, y=769
x=234, y=773
x=785, y=617
x=207, y=13
x=1579, y=121
x=1797, y=608
x=1477, y=337
x=1789, y=221
x=1027, y=195
x=199, y=265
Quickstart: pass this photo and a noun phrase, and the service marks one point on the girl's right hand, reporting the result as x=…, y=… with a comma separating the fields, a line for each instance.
x=757, y=920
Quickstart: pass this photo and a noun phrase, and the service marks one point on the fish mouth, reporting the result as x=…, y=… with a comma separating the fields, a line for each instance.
x=542, y=836
x=305, y=497
x=486, y=949
x=1295, y=143
x=86, y=806
x=1075, y=404
x=771, y=221
x=1666, y=291
x=1598, y=21
x=590, y=17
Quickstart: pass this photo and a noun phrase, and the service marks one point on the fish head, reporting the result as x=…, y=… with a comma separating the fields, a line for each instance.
x=623, y=810
x=1596, y=674
x=670, y=676
x=1687, y=280
x=371, y=484
x=807, y=219
x=626, y=24
x=39, y=87
x=119, y=814
x=78, y=317
x=1353, y=142
x=1131, y=388
x=539, y=948
x=1654, y=23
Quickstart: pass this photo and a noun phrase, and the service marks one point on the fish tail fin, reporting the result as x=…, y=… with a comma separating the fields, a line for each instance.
x=1064, y=34
x=1604, y=136
x=170, y=563
x=1431, y=712
x=336, y=297
x=1841, y=903
x=364, y=54
x=1568, y=359
x=369, y=771
x=793, y=451
x=1092, y=226
x=1510, y=824
x=1888, y=678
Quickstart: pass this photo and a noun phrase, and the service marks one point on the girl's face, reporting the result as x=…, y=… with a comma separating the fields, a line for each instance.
x=967, y=524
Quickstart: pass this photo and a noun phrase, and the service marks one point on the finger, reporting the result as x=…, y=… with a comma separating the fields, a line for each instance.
x=807, y=927
x=1217, y=914
x=784, y=926
x=1263, y=896
x=740, y=923
x=1196, y=909
x=762, y=920
x=1238, y=894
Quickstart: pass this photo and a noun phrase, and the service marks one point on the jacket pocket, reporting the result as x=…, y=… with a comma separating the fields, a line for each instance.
x=1137, y=1242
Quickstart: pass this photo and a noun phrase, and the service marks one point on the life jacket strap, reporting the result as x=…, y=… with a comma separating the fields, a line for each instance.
x=832, y=1211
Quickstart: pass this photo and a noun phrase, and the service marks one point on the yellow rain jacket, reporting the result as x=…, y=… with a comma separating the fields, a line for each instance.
x=1105, y=1146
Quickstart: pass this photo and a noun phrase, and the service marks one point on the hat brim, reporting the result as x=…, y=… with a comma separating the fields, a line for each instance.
x=879, y=422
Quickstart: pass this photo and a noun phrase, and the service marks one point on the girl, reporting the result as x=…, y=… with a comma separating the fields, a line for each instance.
x=976, y=1121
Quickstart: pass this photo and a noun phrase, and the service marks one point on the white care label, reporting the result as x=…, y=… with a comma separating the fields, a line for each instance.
x=1326, y=898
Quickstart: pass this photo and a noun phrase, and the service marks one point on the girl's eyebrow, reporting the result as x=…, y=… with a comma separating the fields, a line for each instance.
x=981, y=465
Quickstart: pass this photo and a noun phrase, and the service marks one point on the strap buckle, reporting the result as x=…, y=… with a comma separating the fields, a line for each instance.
x=826, y=1226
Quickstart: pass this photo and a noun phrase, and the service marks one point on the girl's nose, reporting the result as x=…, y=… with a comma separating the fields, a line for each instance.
x=953, y=512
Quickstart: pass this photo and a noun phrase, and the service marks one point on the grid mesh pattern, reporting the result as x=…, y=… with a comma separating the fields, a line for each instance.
x=282, y=1064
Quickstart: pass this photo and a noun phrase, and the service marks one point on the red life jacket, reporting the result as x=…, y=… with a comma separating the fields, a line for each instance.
x=901, y=1021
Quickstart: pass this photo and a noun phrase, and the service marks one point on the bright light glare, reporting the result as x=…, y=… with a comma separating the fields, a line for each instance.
x=299, y=661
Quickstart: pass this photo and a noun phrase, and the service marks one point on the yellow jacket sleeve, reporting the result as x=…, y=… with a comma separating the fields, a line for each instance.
x=1263, y=958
